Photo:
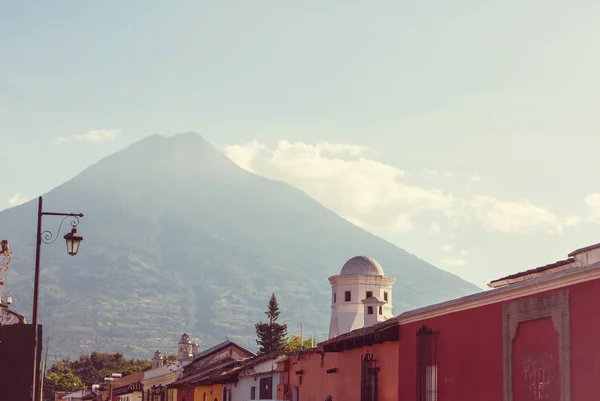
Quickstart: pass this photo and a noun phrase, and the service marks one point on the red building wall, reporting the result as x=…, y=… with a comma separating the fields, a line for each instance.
x=585, y=344
x=470, y=352
x=469, y=355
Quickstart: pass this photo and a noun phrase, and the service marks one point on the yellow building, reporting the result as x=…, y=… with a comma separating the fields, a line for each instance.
x=212, y=392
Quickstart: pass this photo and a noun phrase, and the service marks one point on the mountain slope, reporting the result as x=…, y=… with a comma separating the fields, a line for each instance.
x=179, y=238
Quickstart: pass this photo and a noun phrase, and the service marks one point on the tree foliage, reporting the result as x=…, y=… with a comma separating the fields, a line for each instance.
x=293, y=343
x=271, y=335
x=81, y=373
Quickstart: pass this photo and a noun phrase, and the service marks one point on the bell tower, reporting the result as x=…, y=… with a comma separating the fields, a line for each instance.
x=157, y=360
x=361, y=279
x=184, y=349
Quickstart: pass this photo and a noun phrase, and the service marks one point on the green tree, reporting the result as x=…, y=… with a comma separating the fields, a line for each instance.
x=89, y=369
x=271, y=335
x=292, y=343
x=63, y=381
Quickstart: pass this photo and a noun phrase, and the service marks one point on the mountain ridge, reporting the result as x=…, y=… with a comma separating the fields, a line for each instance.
x=180, y=238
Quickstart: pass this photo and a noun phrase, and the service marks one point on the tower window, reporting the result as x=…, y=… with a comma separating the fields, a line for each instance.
x=369, y=310
x=385, y=296
x=334, y=297
x=347, y=296
x=381, y=310
x=369, y=294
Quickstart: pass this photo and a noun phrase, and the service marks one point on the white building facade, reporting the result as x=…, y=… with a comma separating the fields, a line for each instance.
x=258, y=382
x=361, y=279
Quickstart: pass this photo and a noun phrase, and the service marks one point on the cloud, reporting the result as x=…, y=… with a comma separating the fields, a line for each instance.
x=452, y=262
x=434, y=228
x=367, y=192
x=467, y=252
x=17, y=199
x=593, y=202
x=447, y=248
x=96, y=136
x=510, y=217
x=379, y=197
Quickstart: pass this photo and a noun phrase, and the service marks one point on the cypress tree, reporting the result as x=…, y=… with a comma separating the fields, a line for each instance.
x=271, y=336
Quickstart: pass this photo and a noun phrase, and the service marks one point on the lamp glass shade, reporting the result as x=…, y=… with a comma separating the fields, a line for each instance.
x=73, y=240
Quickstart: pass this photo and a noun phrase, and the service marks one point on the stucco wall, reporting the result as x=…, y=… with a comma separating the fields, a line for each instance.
x=242, y=389
x=208, y=393
x=469, y=355
x=585, y=349
x=315, y=383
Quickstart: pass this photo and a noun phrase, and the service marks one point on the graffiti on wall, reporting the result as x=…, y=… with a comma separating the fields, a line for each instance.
x=539, y=374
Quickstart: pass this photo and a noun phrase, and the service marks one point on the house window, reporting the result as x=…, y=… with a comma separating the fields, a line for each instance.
x=334, y=297
x=253, y=393
x=369, y=379
x=427, y=374
x=381, y=310
x=385, y=296
x=369, y=294
x=369, y=310
x=347, y=296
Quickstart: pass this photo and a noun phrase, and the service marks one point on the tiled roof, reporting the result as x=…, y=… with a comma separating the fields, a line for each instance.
x=218, y=368
x=362, y=332
x=219, y=347
x=540, y=269
x=223, y=370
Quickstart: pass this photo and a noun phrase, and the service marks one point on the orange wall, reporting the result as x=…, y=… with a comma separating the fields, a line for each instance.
x=314, y=384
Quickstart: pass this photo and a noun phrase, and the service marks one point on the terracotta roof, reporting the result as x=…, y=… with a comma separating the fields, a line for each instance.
x=585, y=249
x=225, y=370
x=217, y=348
x=540, y=269
x=362, y=332
x=128, y=388
x=216, y=369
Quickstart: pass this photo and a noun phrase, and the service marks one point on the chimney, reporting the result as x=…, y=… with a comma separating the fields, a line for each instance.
x=373, y=311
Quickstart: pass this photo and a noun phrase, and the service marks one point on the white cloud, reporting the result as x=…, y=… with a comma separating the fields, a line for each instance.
x=510, y=217
x=593, y=202
x=467, y=252
x=96, y=136
x=434, y=228
x=17, y=199
x=447, y=248
x=366, y=192
x=378, y=197
x=452, y=262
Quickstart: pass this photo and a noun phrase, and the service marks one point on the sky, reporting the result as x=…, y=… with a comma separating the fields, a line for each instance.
x=465, y=132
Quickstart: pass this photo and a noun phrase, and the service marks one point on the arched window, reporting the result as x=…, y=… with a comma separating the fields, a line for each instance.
x=369, y=310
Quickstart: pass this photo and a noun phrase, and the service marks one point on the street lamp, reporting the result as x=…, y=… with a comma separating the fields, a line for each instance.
x=73, y=239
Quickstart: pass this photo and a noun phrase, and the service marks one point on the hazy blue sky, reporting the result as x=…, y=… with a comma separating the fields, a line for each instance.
x=464, y=131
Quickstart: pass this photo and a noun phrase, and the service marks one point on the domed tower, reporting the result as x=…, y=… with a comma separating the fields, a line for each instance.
x=184, y=349
x=361, y=278
x=157, y=360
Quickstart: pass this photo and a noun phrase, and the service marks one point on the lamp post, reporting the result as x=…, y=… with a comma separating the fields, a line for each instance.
x=73, y=239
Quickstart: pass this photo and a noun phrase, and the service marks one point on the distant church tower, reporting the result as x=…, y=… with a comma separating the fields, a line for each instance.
x=361, y=296
x=157, y=360
x=185, y=347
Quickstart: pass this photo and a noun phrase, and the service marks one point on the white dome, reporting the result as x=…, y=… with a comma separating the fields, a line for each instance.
x=362, y=265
